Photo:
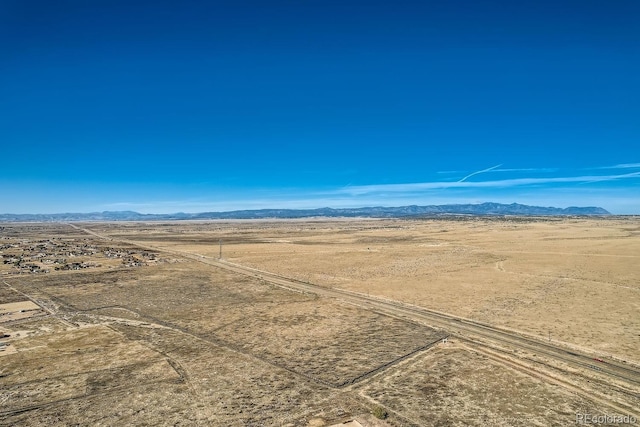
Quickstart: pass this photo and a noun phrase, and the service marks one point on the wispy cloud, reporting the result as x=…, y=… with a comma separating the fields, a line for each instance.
x=613, y=177
x=448, y=172
x=499, y=169
x=620, y=166
x=627, y=166
x=577, y=189
x=536, y=170
x=504, y=183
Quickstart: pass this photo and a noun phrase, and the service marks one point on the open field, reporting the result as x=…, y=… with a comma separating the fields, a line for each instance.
x=145, y=336
x=577, y=280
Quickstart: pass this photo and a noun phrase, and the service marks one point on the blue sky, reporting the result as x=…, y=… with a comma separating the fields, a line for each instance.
x=160, y=106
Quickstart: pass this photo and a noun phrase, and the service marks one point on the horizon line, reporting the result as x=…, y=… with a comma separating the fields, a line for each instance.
x=308, y=209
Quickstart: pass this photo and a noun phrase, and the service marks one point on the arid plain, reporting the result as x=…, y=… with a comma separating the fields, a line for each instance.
x=142, y=324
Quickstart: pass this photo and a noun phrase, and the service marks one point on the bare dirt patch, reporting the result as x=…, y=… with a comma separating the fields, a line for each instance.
x=19, y=310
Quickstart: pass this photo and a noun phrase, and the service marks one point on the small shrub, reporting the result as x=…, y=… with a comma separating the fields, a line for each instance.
x=380, y=413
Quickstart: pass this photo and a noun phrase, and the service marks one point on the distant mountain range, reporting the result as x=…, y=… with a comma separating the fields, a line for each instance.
x=369, y=212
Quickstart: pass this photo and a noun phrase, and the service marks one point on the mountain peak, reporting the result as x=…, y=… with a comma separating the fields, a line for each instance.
x=483, y=209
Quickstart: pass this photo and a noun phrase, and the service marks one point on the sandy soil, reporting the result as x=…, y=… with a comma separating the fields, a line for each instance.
x=177, y=342
x=575, y=280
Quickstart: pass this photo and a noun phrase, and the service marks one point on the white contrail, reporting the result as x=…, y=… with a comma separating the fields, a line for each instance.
x=505, y=183
x=483, y=170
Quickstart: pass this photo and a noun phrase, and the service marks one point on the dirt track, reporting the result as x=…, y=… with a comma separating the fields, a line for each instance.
x=574, y=365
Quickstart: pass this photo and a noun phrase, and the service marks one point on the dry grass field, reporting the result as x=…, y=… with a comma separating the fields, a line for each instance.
x=575, y=279
x=127, y=335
